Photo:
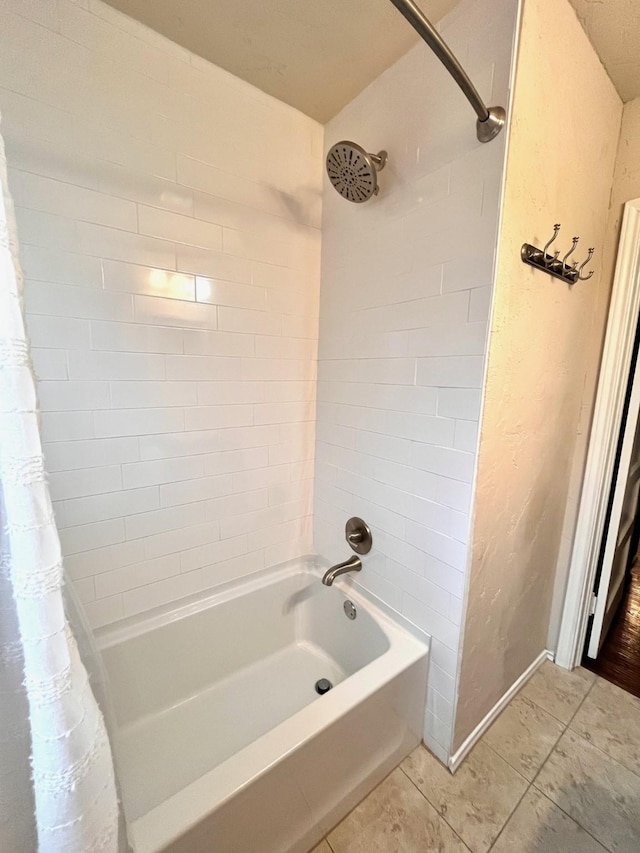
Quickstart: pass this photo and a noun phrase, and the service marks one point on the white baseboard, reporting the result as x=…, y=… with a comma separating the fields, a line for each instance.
x=458, y=757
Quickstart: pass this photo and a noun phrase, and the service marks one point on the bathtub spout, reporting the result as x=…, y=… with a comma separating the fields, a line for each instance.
x=353, y=564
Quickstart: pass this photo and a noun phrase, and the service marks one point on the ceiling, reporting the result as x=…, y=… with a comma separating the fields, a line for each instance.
x=614, y=29
x=317, y=55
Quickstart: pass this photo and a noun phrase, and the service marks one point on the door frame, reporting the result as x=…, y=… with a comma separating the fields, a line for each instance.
x=620, y=334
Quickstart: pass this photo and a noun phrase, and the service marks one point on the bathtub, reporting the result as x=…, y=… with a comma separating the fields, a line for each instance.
x=223, y=743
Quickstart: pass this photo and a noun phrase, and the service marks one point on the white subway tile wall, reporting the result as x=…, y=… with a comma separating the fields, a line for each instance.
x=169, y=219
x=406, y=287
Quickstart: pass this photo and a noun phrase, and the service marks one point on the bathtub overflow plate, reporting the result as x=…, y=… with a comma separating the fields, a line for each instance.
x=323, y=685
x=350, y=609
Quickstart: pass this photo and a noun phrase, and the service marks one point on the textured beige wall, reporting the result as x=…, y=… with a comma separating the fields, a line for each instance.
x=626, y=186
x=544, y=349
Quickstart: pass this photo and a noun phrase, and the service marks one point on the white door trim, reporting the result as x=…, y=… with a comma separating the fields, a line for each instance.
x=604, y=609
x=607, y=419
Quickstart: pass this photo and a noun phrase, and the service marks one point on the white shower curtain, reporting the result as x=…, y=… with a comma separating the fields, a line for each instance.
x=57, y=781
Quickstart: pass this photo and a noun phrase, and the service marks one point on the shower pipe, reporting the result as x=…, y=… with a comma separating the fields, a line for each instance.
x=490, y=119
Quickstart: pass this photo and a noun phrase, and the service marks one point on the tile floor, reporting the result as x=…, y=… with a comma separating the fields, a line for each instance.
x=558, y=772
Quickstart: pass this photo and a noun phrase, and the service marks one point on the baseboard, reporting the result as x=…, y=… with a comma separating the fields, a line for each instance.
x=458, y=757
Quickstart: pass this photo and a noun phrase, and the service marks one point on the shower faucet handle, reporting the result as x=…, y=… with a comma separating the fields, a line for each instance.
x=358, y=535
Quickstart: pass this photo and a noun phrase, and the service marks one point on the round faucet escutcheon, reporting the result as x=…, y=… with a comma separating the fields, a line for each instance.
x=358, y=535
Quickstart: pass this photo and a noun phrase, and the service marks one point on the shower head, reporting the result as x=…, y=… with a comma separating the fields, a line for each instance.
x=353, y=172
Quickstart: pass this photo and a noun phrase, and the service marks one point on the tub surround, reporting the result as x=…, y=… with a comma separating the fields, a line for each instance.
x=206, y=738
x=171, y=261
x=172, y=265
x=172, y=287
x=405, y=299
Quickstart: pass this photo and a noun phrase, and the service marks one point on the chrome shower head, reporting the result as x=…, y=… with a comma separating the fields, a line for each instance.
x=354, y=172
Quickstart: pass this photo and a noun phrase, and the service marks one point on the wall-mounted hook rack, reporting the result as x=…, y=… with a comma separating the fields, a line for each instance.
x=549, y=263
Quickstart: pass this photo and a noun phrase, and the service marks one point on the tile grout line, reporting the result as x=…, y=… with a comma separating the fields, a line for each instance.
x=350, y=812
x=524, y=793
x=571, y=818
x=507, y=819
x=562, y=733
x=603, y=752
x=537, y=704
x=530, y=782
x=542, y=793
x=584, y=699
x=441, y=816
x=504, y=825
x=550, y=753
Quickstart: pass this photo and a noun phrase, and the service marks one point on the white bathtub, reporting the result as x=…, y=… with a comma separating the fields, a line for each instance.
x=224, y=744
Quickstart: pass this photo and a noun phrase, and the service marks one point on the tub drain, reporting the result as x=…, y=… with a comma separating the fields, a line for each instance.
x=323, y=685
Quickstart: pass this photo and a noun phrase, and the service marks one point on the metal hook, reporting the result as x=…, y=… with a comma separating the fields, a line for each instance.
x=580, y=268
x=571, y=250
x=556, y=229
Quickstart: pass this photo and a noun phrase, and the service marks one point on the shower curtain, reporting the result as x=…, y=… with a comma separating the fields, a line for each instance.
x=57, y=781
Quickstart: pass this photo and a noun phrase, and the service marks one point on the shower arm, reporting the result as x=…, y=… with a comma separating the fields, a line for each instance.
x=490, y=120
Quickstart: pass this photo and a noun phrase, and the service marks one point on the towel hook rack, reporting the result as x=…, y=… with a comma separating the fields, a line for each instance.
x=543, y=260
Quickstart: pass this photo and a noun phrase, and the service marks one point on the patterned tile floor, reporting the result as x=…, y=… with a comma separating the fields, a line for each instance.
x=558, y=772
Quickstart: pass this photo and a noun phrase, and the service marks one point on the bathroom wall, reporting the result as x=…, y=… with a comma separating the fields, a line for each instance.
x=406, y=289
x=626, y=179
x=169, y=219
x=545, y=346
x=626, y=186
x=626, y=183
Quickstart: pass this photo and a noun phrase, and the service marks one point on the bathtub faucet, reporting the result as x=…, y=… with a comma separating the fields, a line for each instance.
x=353, y=564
